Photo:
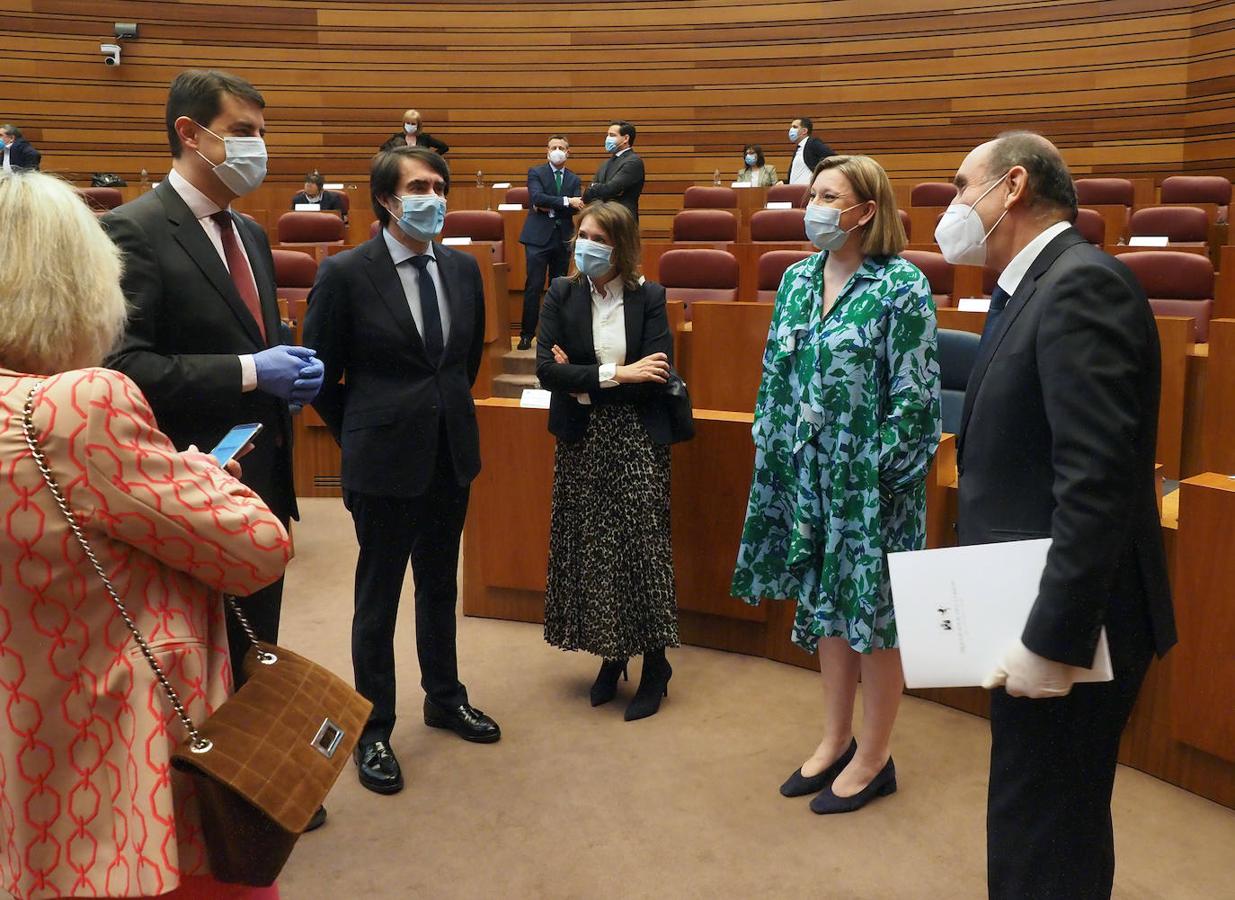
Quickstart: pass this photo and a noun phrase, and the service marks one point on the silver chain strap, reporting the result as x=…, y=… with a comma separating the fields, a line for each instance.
x=197, y=743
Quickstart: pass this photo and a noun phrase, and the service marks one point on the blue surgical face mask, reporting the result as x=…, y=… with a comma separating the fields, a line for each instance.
x=750, y=159
x=423, y=215
x=591, y=258
x=610, y=143
x=793, y=134
x=823, y=226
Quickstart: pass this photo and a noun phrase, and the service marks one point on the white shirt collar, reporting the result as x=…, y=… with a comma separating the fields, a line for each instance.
x=613, y=290
x=1012, y=275
x=198, y=203
x=556, y=169
x=620, y=152
x=400, y=252
x=802, y=143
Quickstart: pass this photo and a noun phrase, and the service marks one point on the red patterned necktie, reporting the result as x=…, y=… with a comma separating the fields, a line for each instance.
x=238, y=265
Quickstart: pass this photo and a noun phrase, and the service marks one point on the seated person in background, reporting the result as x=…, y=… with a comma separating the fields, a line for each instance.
x=755, y=171
x=315, y=192
x=414, y=135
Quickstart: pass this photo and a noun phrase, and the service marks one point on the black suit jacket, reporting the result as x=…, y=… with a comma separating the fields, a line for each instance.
x=566, y=320
x=812, y=151
x=388, y=413
x=423, y=139
x=327, y=199
x=24, y=155
x=1057, y=440
x=541, y=229
x=619, y=178
x=187, y=329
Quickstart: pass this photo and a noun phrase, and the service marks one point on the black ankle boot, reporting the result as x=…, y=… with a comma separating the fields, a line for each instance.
x=653, y=685
x=604, y=688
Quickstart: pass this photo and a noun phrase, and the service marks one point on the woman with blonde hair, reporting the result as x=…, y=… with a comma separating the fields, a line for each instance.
x=846, y=425
x=91, y=805
x=603, y=350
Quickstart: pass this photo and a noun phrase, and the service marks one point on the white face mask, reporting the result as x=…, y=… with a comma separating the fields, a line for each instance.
x=410, y=129
x=823, y=226
x=244, y=166
x=557, y=157
x=960, y=234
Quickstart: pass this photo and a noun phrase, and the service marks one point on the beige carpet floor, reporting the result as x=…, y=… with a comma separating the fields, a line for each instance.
x=577, y=803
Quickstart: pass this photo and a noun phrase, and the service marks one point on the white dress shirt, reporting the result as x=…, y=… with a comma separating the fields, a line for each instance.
x=799, y=172
x=1012, y=275
x=6, y=165
x=400, y=254
x=565, y=200
x=608, y=331
x=203, y=208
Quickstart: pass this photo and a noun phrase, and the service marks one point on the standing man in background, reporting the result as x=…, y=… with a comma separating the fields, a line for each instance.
x=414, y=135
x=553, y=199
x=808, y=152
x=620, y=177
x=18, y=153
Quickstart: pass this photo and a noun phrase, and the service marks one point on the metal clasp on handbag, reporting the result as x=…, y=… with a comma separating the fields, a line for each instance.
x=327, y=739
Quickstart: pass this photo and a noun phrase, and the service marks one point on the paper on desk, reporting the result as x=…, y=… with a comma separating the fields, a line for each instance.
x=958, y=609
x=308, y=207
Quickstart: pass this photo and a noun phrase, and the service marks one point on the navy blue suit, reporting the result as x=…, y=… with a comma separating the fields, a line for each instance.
x=546, y=235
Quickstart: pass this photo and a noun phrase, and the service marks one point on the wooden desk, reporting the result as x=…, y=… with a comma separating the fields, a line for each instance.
x=464, y=194
x=726, y=352
x=1115, y=217
x=1175, y=340
x=512, y=227
x=1218, y=409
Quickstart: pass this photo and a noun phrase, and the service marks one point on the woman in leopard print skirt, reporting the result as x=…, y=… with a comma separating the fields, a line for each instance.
x=610, y=585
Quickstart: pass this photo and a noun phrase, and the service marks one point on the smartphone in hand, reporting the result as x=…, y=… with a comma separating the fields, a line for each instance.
x=233, y=442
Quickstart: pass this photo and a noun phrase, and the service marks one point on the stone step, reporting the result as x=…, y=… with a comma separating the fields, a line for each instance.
x=513, y=385
x=520, y=362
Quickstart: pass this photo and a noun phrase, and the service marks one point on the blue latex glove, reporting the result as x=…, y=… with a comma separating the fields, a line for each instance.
x=308, y=383
x=279, y=367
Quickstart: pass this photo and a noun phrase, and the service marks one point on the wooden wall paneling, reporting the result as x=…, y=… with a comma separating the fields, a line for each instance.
x=1175, y=340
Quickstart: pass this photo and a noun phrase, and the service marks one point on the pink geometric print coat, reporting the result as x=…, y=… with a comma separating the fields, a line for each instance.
x=90, y=806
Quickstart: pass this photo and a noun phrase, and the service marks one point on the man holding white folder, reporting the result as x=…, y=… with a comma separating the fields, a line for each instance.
x=1057, y=440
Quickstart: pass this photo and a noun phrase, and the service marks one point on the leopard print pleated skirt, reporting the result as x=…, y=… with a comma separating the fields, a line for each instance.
x=610, y=586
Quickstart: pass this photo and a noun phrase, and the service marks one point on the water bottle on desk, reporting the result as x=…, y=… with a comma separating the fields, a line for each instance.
x=716, y=177
x=145, y=180
x=480, y=179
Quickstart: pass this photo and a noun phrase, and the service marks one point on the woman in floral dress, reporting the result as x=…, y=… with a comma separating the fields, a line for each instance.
x=846, y=425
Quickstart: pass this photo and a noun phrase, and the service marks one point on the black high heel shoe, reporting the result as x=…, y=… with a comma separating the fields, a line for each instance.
x=880, y=786
x=653, y=685
x=604, y=688
x=799, y=785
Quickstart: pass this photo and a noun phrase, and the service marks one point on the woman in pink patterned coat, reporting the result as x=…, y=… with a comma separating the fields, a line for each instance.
x=90, y=806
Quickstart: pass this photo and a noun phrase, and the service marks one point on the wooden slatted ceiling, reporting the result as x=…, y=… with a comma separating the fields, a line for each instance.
x=1137, y=87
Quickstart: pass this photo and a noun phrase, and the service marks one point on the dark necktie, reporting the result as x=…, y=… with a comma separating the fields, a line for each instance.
x=999, y=300
x=238, y=266
x=558, y=176
x=430, y=313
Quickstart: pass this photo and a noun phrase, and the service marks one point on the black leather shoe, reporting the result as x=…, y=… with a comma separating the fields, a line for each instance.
x=466, y=721
x=318, y=820
x=379, y=770
x=525, y=343
x=880, y=786
x=799, y=785
x=604, y=688
x=653, y=685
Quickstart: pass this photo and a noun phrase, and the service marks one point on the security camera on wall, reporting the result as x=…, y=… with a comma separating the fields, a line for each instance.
x=111, y=54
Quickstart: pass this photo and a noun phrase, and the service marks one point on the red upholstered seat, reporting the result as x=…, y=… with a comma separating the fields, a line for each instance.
x=906, y=223
x=778, y=225
x=1091, y=225
x=789, y=193
x=771, y=269
x=1103, y=191
x=699, y=274
x=101, y=198
x=294, y=273
x=938, y=272
x=310, y=228
x=1181, y=224
x=705, y=225
x=1178, y=284
x=517, y=195
x=345, y=202
x=710, y=198
x=933, y=193
x=477, y=224
x=1197, y=189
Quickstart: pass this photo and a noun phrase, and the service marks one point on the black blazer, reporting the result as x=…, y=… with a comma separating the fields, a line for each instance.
x=812, y=151
x=24, y=155
x=423, y=139
x=541, y=229
x=1057, y=440
x=566, y=320
x=619, y=178
x=388, y=414
x=187, y=329
x=327, y=199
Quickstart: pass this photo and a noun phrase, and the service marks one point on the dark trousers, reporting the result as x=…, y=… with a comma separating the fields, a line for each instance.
x=261, y=610
x=1048, y=820
x=553, y=259
x=390, y=531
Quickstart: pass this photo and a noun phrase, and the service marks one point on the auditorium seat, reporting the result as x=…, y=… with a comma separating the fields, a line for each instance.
x=789, y=193
x=294, y=274
x=957, y=352
x=482, y=226
x=705, y=225
x=1198, y=189
x=1091, y=225
x=101, y=199
x=1177, y=284
x=710, y=198
x=771, y=269
x=517, y=195
x=310, y=228
x=779, y=225
x=933, y=193
x=1179, y=224
x=699, y=274
x=1104, y=192
x=938, y=272
x=907, y=224
x=345, y=203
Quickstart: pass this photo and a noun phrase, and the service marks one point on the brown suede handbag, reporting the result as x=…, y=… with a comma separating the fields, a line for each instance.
x=264, y=761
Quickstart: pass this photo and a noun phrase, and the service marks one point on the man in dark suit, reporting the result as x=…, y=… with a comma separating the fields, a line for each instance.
x=399, y=324
x=18, y=153
x=553, y=200
x=620, y=177
x=1057, y=440
x=807, y=153
x=414, y=135
x=315, y=192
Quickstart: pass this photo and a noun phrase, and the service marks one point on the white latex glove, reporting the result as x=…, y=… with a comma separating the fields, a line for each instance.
x=1023, y=673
